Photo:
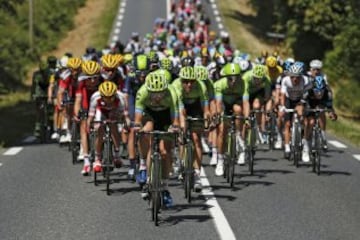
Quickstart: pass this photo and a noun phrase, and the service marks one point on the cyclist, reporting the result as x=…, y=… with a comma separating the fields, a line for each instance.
x=157, y=109
x=193, y=102
x=67, y=88
x=107, y=104
x=88, y=83
x=320, y=97
x=229, y=91
x=133, y=83
x=294, y=89
x=41, y=80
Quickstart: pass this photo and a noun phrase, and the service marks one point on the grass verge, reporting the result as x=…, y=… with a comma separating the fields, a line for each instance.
x=247, y=30
x=17, y=110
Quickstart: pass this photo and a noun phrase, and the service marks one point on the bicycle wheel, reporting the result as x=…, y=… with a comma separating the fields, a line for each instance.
x=251, y=141
x=232, y=157
x=188, y=172
x=318, y=144
x=75, y=148
x=107, y=162
x=155, y=188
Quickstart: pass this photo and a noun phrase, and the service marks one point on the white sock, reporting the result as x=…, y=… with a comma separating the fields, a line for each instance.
x=86, y=160
x=287, y=147
x=142, y=164
x=197, y=172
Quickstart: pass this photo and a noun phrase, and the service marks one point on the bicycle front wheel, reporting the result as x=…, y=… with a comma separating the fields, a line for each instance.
x=155, y=188
x=232, y=157
x=188, y=172
x=75, y=148
x=106, y=169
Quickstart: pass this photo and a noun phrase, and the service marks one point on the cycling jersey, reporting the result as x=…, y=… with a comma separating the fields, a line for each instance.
x=198, y=92
x=85, y=91
x=100, y=110
x=297, y=92
x=229, y=94
x=169, y=101
x=254, y=87
x=67, y=82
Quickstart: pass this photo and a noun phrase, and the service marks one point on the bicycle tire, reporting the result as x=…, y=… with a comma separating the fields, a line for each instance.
x=318, y=149
x=189, y=172
x=107, y=154
x=155, y=188
x=251, y=141
x=74, y=142
x=232, y=155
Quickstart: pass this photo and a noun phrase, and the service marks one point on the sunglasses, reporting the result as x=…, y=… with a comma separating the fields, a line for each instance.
x=187, y=81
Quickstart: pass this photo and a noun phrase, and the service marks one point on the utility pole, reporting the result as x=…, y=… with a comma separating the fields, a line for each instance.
x=31, y=22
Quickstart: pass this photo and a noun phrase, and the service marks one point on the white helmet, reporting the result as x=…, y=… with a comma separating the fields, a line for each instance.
x=316, y=63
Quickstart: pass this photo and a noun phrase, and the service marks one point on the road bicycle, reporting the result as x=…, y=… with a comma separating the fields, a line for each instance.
x=189, y=151
x=316, y=140
x=155, y=187
x=295, y=142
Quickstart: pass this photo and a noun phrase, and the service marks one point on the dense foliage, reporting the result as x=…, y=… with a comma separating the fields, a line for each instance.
x=328, y=30
x=51, y=19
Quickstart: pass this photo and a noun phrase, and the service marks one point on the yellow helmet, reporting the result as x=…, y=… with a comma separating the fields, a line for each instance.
x=74, y=63
x=90, y=68
x=107, y=89
x=271, y=62
x=128, y=58
x=109, y=61
x=119, y=58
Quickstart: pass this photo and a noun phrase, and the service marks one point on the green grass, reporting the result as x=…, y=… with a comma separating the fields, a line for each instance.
x=16, y=109
x=244, y=25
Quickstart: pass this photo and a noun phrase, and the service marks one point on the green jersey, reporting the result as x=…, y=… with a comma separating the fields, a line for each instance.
x=197, y=93
x=144, y=100
x=228, y=94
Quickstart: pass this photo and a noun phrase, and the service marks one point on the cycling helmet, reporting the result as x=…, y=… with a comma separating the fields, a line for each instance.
x=156, y=82
x=271, y=62
x=108, y=61
x=187, y=61
x=141, y=62
x=287, y=63
x=166, y=63
x=244, y=65
x=319, y=83
x=63, y=61
x=201, y=73
x=128, y=58
x=90, y=68
x=230, y=69
x=166, y=73
x=119, y=58
x=317, y=64
x=74, y=63
x=295, y=70
x=259, y=71
x=187, y=73
x=153, y=56
x=107, y=89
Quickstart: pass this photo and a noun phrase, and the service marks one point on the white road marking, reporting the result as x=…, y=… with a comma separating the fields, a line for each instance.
x=337, y=144
x=118, y=24
x=120, y=17
x=29, y=139
x=13, y=151
x=216, y=12
x=115, y=38
x=123, y=4
x=218, y=19
x=168, y=8
x=212, y=1
x=1, y=164
x=220, y=26
x=117, y=30
x=122, y=10
x=357, y=156
x=213, y=5
x=222, y=225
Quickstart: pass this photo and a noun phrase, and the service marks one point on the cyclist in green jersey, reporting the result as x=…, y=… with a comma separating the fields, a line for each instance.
x=156, y=108
x=229, y=91
x=257, y=94
x=193, y=102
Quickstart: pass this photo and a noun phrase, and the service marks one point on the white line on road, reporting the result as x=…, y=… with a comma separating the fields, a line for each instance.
x=115, y=38
x=222, y=225
x=122, y=10
x=357, y=156
x=214, y=6
x=337, y=144
x=117, y=30
x=218, y=19
x=123, y=4
x=216, y=12
x=220, y=26
x=118, y=24
x=13, y=151
x=120, y=17
x=168, y=8
x=1, y=164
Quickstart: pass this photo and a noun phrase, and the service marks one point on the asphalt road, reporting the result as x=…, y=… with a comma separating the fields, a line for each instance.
x=43, y=196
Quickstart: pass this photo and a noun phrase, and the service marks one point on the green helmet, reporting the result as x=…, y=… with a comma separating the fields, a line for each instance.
x=166, y=63
x=259, y=71
x=187, y=73
x=141, y=62
x=153, y=56
x=156, y=82
x=230, y=69
x=201, y=73
x=166, y=73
